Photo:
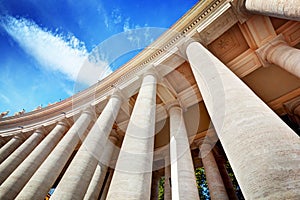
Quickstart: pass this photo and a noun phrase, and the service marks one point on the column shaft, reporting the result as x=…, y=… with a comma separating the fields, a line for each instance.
x=167, y=185
x=16, y=181
x=9, y=147
x=263, y=151
x=41, y=182
x=107, y=185
x=13, y=161
x=155, y=186
x=215, y=183
x=96, y=182
x=81, y=169
x=277, y=8
x=227, y=181
x=132, y=177
x=182, y=170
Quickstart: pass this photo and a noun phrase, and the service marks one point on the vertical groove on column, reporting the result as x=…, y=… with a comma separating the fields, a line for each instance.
x=9, y=147
x=16, y=181
x=263, y=151
x=132, y=176
x=41, y=182
x=182, y=170
x=80, y=171
x=17, y=157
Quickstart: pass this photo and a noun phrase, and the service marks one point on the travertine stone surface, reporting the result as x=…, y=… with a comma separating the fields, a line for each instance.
x=227, y=180
x=96, y=182
x=182, y=169
x=280, y=53
x=107, y=184
x=9, y=147
x=13, y=161
x=82, y=167
x=16, y=181
x=42, y=180
x=263, y=151
x=132, y=176
x=214, y=180
x=167, y=185
x=277, y=8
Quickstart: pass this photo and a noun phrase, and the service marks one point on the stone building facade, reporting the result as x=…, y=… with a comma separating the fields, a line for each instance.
x=226, y=71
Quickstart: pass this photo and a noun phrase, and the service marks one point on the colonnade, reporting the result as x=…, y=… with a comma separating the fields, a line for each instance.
x=262, y=150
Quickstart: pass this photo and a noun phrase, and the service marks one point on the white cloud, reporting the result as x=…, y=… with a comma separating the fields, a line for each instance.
x=5, y=98
x=53, y=51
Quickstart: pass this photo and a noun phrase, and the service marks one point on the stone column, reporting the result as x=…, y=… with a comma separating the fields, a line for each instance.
x=182, y=170
x=82, y=167
x=10, y=146
x=276, y=8
x=42, y=180
x=13, y=161
x=167, y=185
x=16, y=181
x=107, y=184
x=278, y=52
x=96, y=183
x=132, y=176
x=214, y=180
x=155, y=186
x=263, y=151
x=226, y=179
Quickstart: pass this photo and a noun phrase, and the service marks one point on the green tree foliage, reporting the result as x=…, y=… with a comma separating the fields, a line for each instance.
x=161, y=188
x=202, y=184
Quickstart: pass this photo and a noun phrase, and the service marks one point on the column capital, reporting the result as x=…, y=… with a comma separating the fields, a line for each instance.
x=64, y=122
x=173, y=104
x=20, y=137
x=117, y=94
x=41, y=130
x=265, y=52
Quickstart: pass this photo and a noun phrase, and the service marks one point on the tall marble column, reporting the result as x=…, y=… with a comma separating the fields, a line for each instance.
x=132, y=176
x=107, y=184
x=278, y=52
x=16, y=181
x=167, y=185
x=13, y=161
x=226, y=179
x=155, y=185
x=10, y=146
x=42, y=180
x=182, y=170
x=83, y=165
x=214, y=180
x=96, y=182
x=263, y=151
x=276, y=8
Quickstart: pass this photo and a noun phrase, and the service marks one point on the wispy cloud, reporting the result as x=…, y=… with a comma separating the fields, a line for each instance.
x=54, y=51
x=5, y=98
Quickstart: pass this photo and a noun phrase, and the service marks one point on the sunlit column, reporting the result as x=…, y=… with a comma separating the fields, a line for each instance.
x=99, y=175
x=278, y=52
x=81, y=169
x=16, y=181
x=214, y=180
x=13, y=161
x=182, y=170
x=276, y=8
x=41, y=182
x=251, y=133
x=10, y=146
x=132, y=177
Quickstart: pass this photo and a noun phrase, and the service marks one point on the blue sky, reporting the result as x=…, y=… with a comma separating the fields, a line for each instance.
x=45, y=43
